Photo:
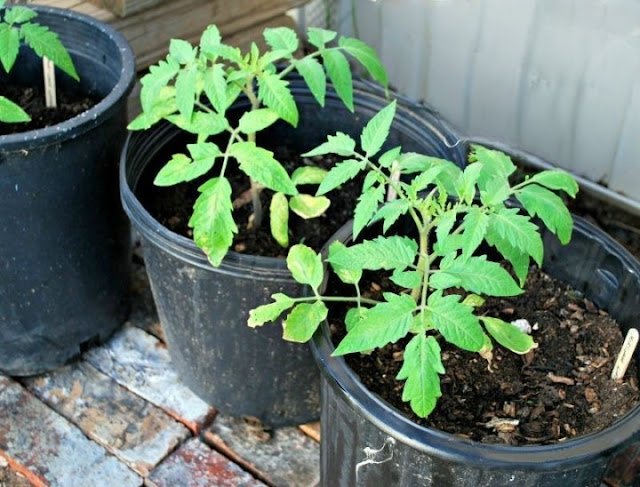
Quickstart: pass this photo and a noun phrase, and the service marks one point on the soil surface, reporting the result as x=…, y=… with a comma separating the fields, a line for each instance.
x=173, y=206
x=32, y=100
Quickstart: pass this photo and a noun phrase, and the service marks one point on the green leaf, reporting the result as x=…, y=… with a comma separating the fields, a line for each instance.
x=186, y=91
x=257, y=120
x=494, y=164
x=313, y=74
x=154, y=82
x=495, y=191
x=46, y=43
x=340, y=144
x=366, y=56
x=259, y=165
x=303, y=321
x=407, y=279
x=19, y=15
x=270, y=312
x=556, y=179
x=482, y=276
x=377, y=129
x=305, y=265
x=518, y=231
x=279, y=219
x=339, y=73
x=200, y=123
x=508, y=335
x=421, y=322
x=366, y=208
x=320, y=37
x=9, y=46
x=385, y=323
x=519, y=260
x=466, y=185
x=308, y=175
x=212, y=219
x=210, y=39
x=420, y=369
x=423, y=180
x=173, y=171
x=281, y=38
x=340, y=174
x=353, y=317
x=444, y=223
x=182, y=168
x=390, y=212
x=473, y=300
x=393, y=252
x=348, y=275
x=541, y=202
x=475, y=227
x=307, y=206
x=275, y=94
x=182, y=51
x=455, y=321
x=12, y=113
x=388, y=158
x=215, y=87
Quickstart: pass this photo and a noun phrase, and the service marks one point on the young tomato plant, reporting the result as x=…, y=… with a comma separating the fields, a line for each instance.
x=454, y=212
x=16, y=26
x=194, y=87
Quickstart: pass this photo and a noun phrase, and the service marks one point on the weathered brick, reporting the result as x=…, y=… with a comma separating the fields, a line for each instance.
x=51, y=448
x=135, y=431
x=282, y=457
x=141, y=363
x=197, y=465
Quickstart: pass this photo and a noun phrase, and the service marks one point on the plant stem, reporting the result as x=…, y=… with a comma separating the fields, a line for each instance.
x=256, y=188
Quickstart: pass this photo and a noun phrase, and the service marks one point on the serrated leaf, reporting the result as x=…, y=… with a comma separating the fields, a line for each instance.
x=182, y=51
x=275, y=94
x=366, y=56
x=353, y=317
x=279, y=219
x=314, y=75
x=556, y=179
x=199, y=123
x=340, y=144
x=366, y=208
x=46, y=43
x=495, y=191
x=519, y=260
x=541, y=202
x=407, y=279
x=340, y=174
x=215, y=87
x=444, y=223
x=466, y=185
x=390, y=212
x=482, y=276
x=155, y=81
x=212, y=219
x=376, y=130
x=421, y=366
x=186, y=91
x=182, y=168
x=257, y=120
x=210, y=39
x=12, y=113
x=348, y=275
x=508, y=335
x=305, y=265
x=518, y=231
x=385, y=323
x=339, y=73
x=495, y=164
x=473, y=300
x=302, y=322
x=19, y=15
x=9, y=46
x=387, y=253
x=173, y=171
x=442, y=280
x=320, y=37
x=389, y=157
x=308, y=175
x=259, y=164
x=424, y=180
x=270, y=312
x=281, y=38
x=421, y=322
x=455, y=321
x=475, y=226
x=307, y=206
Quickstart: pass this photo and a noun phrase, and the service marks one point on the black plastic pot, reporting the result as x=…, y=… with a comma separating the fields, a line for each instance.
x=204, y=310
x=356, y=423
x=64, y=239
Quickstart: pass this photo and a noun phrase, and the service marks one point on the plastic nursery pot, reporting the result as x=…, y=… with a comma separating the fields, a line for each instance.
x=204, y=310
x=64, y=239
x=365, y=441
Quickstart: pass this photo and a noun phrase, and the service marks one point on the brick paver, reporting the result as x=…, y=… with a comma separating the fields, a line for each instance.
x=141, y=363
x=51, y=449
x=197, y=465
x=135, y=431
x=285, y=457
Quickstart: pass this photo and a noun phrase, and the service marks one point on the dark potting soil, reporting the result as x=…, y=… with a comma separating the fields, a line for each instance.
x=173, y=206
x=32, y=100
x=558, y=391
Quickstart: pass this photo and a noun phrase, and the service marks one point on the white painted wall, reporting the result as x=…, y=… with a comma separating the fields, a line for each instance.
x=557, y=78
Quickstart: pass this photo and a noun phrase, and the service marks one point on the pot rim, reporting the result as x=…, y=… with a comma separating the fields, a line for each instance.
x=95, y=115
x=391, y=421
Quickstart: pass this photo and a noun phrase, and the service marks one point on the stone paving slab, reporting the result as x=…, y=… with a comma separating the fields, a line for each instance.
x=141, y=363
x=135, y=431
x=52, y=450
x=197, y=465
x=284, y=457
